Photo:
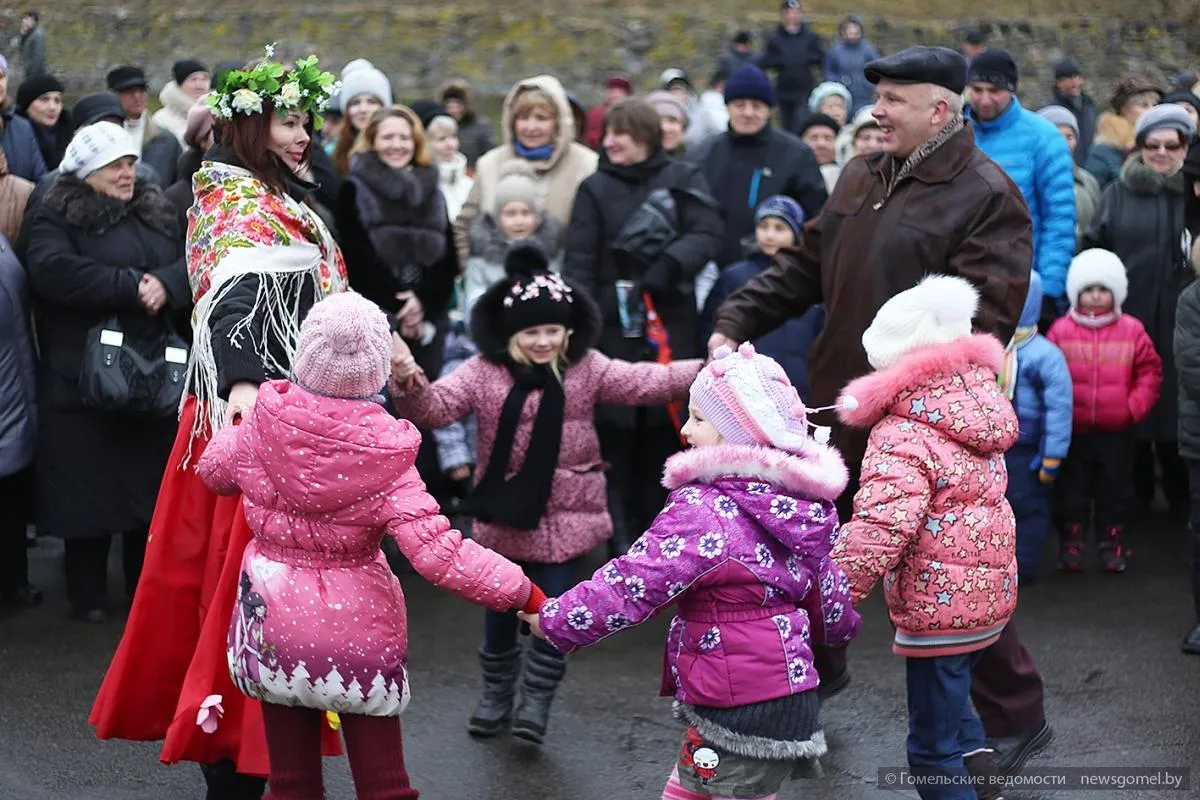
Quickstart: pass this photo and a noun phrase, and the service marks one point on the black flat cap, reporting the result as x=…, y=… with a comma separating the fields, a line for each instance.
x=940, y=66
x=126, y=77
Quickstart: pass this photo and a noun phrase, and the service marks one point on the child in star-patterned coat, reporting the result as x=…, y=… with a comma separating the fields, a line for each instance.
x=742, y=548
x=931, y=516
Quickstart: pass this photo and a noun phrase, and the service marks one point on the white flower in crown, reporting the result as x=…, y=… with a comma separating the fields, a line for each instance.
x=270, y=49
x=290, y=95
x=247, y=101
x=508, y=302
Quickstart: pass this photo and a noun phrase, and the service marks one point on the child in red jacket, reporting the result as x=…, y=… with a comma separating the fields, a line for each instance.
x=1117, y=376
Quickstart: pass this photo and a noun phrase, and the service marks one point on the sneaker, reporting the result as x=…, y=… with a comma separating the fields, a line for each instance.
x=1070, y=551
x=1012, y=752
x=1112, y=550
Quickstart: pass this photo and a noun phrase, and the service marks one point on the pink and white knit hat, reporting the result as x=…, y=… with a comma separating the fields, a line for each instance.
x=748, y=398
x=345, y=348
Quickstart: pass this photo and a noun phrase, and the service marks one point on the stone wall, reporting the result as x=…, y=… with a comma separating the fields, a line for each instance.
x=495, y=43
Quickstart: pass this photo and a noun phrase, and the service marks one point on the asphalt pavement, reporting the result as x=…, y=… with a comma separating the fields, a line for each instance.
x=1119, y=695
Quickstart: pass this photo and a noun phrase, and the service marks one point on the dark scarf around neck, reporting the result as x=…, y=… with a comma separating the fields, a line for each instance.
x=520, y=501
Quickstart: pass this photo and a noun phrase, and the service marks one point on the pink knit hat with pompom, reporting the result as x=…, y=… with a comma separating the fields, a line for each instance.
x=748, y=398
x=345, y=348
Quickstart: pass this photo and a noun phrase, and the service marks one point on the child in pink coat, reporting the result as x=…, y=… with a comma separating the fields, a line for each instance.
x=931, y=516
x=320, y=624
x=540, y=495
x=1116, y=375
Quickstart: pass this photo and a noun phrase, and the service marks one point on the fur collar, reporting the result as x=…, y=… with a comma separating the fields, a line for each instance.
x=489, y=242
x=412, y=187
x=175, y=99
x=94, y=213
x=817, y=473
x=488, y=332
x=1114, y=130
x=1140, y=179
x=877, y=391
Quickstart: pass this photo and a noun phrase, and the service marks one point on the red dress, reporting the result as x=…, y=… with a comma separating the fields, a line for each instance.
x=173, y=653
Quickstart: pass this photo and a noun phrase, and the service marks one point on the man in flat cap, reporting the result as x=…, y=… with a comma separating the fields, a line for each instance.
x=930, y=202
x=157, y=148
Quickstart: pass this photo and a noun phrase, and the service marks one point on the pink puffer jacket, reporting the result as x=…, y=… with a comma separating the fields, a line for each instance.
x=1116, y=373
x=931, y=516
x=320, y=619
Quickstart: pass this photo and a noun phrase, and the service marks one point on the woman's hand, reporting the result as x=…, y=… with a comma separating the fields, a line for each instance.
x=411, y=315
x=405, y=369
x=151, y=294
x=241, y=399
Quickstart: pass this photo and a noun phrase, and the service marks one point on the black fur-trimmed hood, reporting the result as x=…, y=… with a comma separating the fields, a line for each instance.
x=94, y=213
x=487, y=323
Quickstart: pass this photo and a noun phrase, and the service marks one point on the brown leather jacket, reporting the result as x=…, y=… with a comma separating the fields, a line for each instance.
x=956, y=214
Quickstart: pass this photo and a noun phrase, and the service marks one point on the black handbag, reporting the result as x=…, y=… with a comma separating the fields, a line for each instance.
x=125, y=374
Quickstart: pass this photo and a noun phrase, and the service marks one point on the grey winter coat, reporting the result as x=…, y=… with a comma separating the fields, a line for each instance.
x=1187, y=366
x=20, y=145
x=18, y=406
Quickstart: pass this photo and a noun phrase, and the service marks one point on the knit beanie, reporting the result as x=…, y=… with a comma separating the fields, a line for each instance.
x=96, y=146
x=34, y=87
x=748, y=398
x=1067, y=68
x=781, y=207
x=1164, y=117
x=1183, y=96
x=1060, y=117
x=182, y=70
x=345, y=348
x=361, y=77
x=516, y=188
x=996, y=67
x=199, y=122
x=826, y=90
x=668, y=105
x=750, y=83
x=938, y=310
x=536, y=296
x=1097, y=267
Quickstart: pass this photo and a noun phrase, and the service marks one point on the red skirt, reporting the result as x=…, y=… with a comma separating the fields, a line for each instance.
x=173, y=652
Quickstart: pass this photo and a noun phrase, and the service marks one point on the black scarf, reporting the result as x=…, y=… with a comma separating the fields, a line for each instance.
x=520, y=502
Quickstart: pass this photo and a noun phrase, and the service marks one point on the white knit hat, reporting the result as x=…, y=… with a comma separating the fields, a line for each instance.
x=96, y=146
x=1096, y=266
x=362, y=77
x=938, y=310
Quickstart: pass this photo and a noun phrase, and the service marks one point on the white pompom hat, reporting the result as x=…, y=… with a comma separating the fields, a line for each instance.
x=938, y=310
x=1097, y=267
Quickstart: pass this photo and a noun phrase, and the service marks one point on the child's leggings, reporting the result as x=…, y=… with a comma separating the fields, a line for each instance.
x=677, y=791
x=374, y=747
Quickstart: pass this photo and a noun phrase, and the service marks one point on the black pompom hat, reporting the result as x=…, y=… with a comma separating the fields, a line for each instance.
x=536, y=296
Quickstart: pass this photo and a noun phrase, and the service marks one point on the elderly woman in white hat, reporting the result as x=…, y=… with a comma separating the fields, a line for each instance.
x=1148, y=217
x=105, y=259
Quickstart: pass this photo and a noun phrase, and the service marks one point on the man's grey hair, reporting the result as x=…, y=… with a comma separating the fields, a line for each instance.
x=954, y=101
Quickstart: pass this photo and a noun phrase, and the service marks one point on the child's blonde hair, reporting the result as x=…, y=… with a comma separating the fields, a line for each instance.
x=557, y=366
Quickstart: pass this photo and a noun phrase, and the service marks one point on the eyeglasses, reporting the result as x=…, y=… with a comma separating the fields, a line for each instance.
x=1170, y=147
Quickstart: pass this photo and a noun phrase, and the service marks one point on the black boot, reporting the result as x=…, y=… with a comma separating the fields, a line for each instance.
x=495, y=707
x=1013, y=751
x=982, y=768
x=543, y=672
x=226, y=783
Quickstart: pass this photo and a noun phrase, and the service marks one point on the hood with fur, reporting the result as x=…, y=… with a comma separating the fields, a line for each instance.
x=1115, y=130
x=487, y=323
x=959, y=377
x=566, y=118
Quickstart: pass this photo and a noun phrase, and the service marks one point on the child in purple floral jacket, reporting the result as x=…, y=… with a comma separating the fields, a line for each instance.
x=742, y=547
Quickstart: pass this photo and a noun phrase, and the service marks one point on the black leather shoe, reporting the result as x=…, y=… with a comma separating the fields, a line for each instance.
x=1191, y=642
x=834, y=685
x=1013, y=751
x=27, y=596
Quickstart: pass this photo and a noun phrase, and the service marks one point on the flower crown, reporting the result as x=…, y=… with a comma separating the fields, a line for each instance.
x=555, y=287
x=301, y=88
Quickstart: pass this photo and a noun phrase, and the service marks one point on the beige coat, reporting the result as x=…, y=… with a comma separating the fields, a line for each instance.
x=557, y=179
x=173, y=114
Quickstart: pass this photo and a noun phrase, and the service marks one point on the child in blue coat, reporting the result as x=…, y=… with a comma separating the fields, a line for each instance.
x=777, y=224
x=1039, y=384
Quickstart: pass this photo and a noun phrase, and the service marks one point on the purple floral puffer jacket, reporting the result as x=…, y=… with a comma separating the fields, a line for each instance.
x=742, y=547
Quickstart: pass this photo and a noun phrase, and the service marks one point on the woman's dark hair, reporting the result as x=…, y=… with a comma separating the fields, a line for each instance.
x=637, y=118
x=249, y=136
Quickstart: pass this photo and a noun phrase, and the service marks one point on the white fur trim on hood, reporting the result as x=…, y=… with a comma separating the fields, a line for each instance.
x=1096, y=266
x=817, y=472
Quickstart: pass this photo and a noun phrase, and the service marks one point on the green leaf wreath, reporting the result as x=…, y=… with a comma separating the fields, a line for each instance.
x=304, y=87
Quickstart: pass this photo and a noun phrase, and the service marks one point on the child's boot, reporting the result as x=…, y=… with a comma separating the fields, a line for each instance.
x=1112, y=549
x=982, y=768
x=543, y=673
x=495, y=707
x=1070, y=550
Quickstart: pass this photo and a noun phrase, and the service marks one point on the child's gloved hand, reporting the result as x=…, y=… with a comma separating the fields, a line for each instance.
x=1049, y=470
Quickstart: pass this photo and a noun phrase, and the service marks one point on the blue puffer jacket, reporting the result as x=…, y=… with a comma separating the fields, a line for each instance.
x=788, y=344
x=1034, y=154
x=1043, y=398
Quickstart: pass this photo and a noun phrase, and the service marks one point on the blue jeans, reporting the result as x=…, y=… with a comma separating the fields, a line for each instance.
x=1030, y=501
x=500, y=627
x=942, y=726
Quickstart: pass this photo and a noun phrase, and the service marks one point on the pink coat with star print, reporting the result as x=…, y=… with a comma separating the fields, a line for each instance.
x=930, y=516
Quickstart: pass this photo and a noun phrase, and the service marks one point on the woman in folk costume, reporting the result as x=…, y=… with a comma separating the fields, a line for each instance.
x=258, y=258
